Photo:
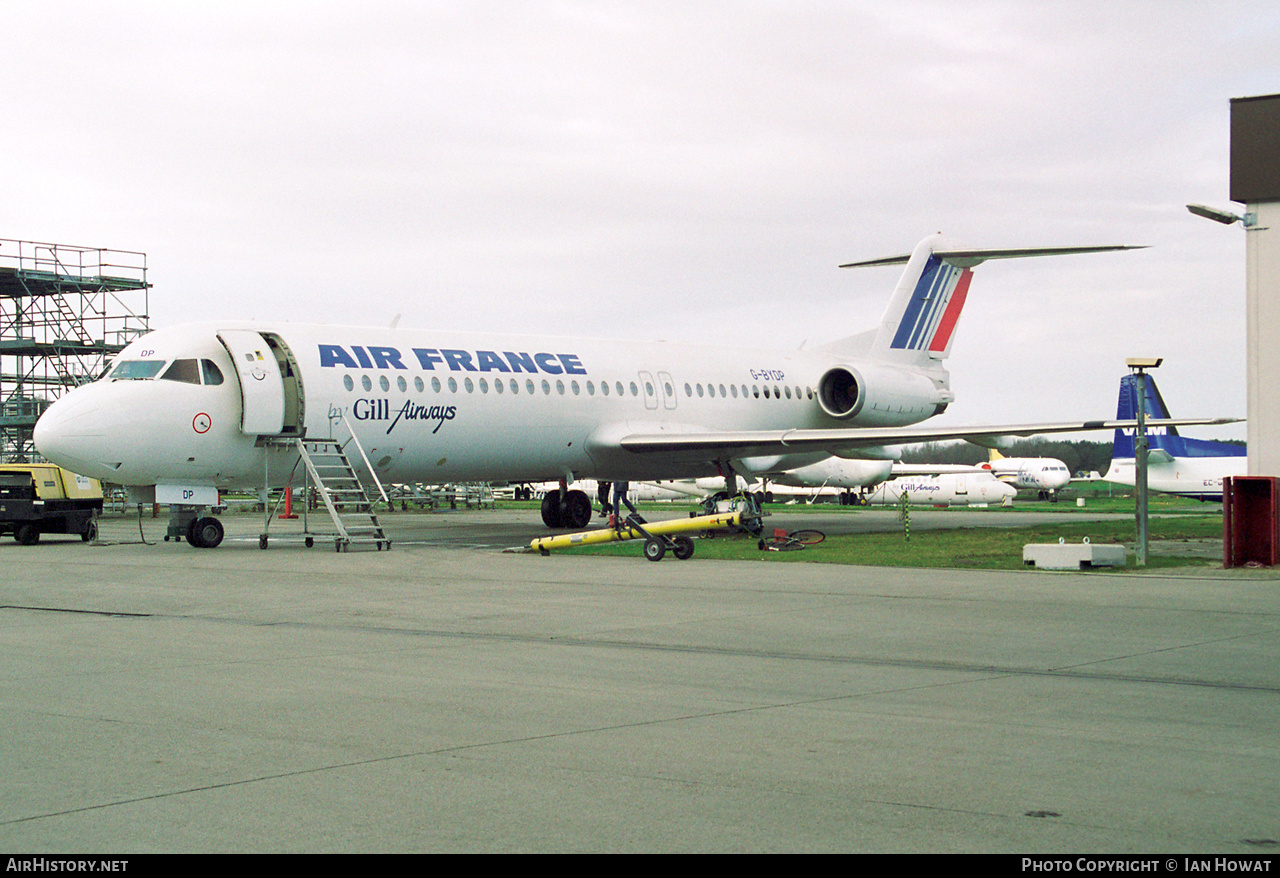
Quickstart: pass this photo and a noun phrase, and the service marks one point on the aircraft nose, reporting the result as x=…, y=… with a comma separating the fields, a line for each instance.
x=71, y=433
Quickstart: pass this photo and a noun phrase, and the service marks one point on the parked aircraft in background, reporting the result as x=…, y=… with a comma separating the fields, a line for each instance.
x=857, y=477
x=190, y=410
x=946, y=489
x=1176, y=464
x=847, y=478
x=1045, y=475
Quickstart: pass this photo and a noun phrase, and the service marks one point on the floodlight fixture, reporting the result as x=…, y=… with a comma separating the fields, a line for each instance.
x=1218, y=216
x=1226, y=217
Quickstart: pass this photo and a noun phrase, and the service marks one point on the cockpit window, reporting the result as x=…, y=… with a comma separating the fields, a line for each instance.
x=136, y=370
x=185, y=371
x=212, y=374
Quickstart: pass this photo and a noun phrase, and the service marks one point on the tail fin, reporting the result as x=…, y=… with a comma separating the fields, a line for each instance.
x=919, y=323
x=1127, y=410
x=1160, y=439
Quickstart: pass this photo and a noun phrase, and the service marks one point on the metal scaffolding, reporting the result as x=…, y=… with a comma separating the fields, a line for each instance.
x=64, y=312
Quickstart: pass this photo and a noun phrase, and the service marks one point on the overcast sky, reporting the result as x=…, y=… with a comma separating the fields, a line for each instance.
x=662, y=170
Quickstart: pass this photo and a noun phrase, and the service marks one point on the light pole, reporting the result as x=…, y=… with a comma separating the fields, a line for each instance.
x=1139, y=365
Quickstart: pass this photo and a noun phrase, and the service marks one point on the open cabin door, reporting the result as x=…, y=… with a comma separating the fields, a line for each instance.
x=264, y=369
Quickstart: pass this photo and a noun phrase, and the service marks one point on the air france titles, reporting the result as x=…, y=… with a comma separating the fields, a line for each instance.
x=378, y=357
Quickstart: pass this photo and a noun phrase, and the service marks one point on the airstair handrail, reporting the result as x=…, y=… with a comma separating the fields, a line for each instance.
x=365, y=458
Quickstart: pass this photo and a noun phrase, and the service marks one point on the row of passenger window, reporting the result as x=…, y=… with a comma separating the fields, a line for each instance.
x=778, y=392
x=512, y=385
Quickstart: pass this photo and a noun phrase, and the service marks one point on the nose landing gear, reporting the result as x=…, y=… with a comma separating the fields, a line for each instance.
x=202, y=532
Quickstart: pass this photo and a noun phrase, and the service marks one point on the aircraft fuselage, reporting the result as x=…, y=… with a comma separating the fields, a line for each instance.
x=439, y=407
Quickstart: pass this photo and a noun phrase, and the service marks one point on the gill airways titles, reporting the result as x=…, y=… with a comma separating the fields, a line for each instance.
x=380, y=410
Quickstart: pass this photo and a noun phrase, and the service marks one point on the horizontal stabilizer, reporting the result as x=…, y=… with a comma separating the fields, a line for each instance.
x=919, y=323
x=970, y=257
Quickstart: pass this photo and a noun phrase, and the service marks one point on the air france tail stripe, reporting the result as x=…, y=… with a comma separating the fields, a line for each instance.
x=938, y=297
x=928, y=307
x=952, y=314
x=919, y=296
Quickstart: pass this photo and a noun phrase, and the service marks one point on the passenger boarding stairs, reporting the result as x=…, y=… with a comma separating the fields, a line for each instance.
x=331, y=474
x=344, y=496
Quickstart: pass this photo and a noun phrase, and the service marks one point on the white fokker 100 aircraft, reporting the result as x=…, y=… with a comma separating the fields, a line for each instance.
x=184, y=411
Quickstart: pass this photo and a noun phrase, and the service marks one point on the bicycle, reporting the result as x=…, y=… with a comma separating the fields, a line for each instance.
x=790, y=541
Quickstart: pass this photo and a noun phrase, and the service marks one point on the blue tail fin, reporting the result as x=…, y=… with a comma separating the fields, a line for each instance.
x=1164, y=439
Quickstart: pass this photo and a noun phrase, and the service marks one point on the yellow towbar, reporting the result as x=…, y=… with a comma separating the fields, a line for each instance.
x=653, y=533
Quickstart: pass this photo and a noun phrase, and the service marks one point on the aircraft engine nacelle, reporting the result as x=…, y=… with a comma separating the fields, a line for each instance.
x=863, y=473
x=876, y=394
x=850, y=473
x=835, y=472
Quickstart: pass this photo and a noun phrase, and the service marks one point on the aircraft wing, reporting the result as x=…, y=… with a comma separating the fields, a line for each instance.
x=754, y=443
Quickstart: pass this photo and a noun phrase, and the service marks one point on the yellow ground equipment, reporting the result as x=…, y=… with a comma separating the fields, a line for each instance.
x=38, y=498
x=658, y=536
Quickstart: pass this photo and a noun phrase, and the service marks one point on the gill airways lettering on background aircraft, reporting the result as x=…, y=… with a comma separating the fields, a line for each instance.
x=382, y=357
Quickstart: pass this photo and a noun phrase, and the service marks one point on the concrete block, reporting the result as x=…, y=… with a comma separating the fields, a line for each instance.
x=1072, y=556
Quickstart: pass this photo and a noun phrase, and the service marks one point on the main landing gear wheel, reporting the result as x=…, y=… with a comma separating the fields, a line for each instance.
x=576, y=512
x=551, y=509
x=654, y=550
